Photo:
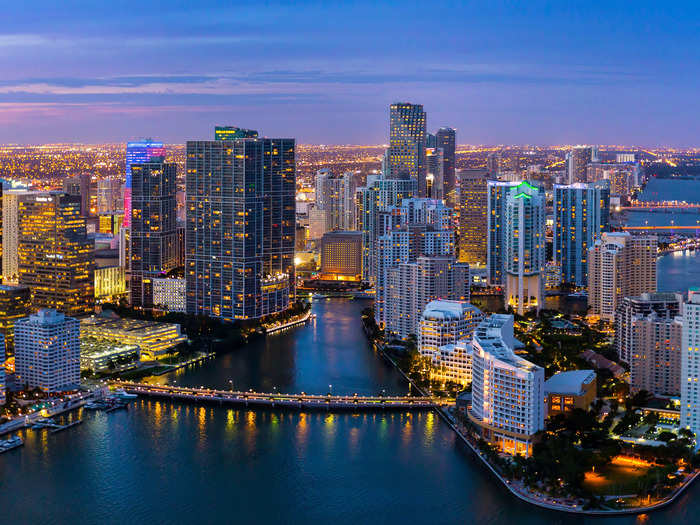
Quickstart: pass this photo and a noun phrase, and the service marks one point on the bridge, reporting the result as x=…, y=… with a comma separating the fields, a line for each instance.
x=671, y=227
x=275, y=400
x=661, y=205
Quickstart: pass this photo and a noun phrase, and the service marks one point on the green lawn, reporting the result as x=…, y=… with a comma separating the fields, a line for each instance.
x=615, y=479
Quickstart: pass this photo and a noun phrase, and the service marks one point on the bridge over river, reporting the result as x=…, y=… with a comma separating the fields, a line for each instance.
x=301, y=401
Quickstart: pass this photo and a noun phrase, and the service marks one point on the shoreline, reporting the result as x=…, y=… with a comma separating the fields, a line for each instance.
x=447, y=418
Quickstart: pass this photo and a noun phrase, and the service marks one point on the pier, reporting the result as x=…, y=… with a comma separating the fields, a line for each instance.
x=274, y=400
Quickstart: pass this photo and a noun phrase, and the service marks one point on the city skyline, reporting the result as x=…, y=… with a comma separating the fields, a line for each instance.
x=590, y=77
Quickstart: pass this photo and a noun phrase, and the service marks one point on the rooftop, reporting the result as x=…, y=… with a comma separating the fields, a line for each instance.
x=445, y=309
x=570, y=382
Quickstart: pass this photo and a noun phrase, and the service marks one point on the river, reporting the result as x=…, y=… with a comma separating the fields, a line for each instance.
x=163, y=462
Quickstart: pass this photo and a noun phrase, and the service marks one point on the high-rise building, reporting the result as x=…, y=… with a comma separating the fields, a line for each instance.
x=620, y=265
x=3, y=386
x=110, y=196
x=240, y=227
x=523, y=238
x=495, y=244
x=373, y=201
x=577, y=161
x=55, y=254
x=15, y=303
x=10, y=234
x=79, y=186
x=169, y=294
x=665, y=305
x=445, y=336
x=335, y=198
x=232, y=133
x=655, y=365
x=508, y=398
x=47, y=351
x=581, y=214
x=416, y=227
x=412, y=285
x=341, y=256
x=473, y=216
x=407, y=137
x=153, y=233
x=136, y=153
x=445, y=139
x=445, y=322
x=434, y=174
x=690, y=365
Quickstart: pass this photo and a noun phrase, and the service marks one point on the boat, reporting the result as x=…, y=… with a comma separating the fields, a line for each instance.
x=123, y=394
x=318, y=296
x=11, y=443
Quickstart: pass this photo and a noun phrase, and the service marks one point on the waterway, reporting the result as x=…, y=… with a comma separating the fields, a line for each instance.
x=165, y=462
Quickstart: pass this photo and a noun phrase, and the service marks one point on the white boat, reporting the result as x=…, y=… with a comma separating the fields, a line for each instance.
x=123, y=394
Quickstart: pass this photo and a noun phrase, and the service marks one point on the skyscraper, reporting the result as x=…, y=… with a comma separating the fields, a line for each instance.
x=655, y=365
x=412, y=285
x=15, y=303
x=55, y=254
x=577, y=161
x=495, y=244
x=335, y=198
x=524, y=242
x=435, y=176
x=665, y=305
x=445, y=139
x=153, y=235
x=109, y=196
x=690, y=365
x=508, y=394
x=47, y=351
x=138, y=152
x=10, y=234
x=79, y=186
x=581, y=214
x=239, y=261
x=373, y=200
x=473, y=222
x=407, y=135
x=620, y=265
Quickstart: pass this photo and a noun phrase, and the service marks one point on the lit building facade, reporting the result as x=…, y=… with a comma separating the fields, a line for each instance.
x=55, y=254
x=232, y=133
x=137, y=153
x=110, y=196
x=239, y=261
x=581, y=214
x=170, y=294
x=110, y=282
x=373, y=201
x=15, y=303
x=445, y=139
x=335, y=199
x=473, y=216
x=666, y=305
x=577, y=161
x=508, y=397
x=524, y=242
x=412, y=285
x=655, y=364
x=10, y=234
x=153, y=234
x=341, y=256
x=407, y=135
x=434, y=174
x=690, y=365
x=47, y=351
x=620, y=265
x=153, y=338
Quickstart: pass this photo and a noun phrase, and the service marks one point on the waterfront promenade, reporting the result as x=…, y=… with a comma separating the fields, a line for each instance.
x=301, y=401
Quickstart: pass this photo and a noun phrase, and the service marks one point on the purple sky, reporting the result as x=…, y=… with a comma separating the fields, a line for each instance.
x=325, y=72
